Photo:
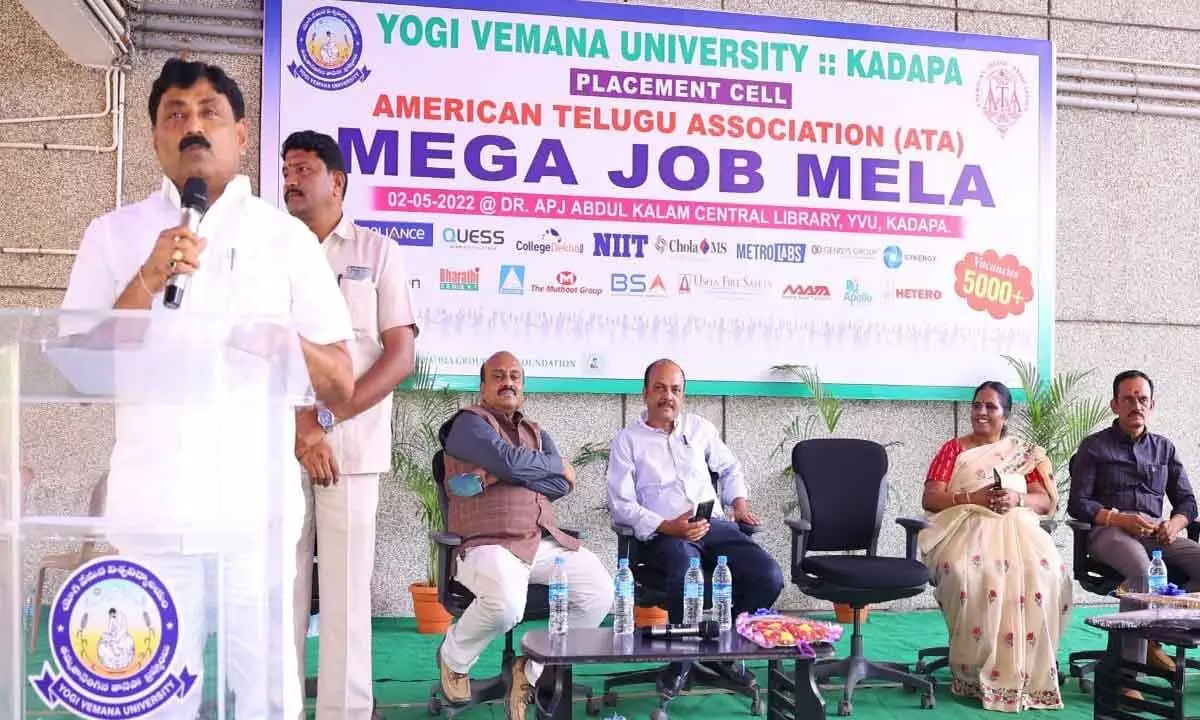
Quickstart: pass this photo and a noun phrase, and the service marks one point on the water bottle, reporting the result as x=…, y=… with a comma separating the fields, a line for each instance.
x=693, y=593
x=1156, y=576
x=623, y=599
x=722, y=594
x=27, y=613
x=558, y=597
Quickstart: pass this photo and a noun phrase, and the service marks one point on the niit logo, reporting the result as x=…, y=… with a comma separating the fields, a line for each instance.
x=619, y=245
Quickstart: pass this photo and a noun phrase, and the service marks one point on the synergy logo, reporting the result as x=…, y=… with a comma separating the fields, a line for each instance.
x=512, y=279
x=459, y=280
x=402, y=233
x=330, y=45
x=619, y=245
x=894, y=257
x=550, y=242
x=773, y=252
x=678, y=246
x=637, y=284
x=472, y=237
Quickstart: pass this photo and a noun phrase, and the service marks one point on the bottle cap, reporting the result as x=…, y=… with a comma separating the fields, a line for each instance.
x=1156, y=554
x=623, y=563
x=560, y=561
x=722, y=560
x=694, y=562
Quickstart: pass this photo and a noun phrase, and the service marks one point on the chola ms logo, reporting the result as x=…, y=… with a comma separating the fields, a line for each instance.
x=114, y=630
x=330, y=46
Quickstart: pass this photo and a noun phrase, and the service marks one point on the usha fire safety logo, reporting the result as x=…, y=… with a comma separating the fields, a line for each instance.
x=113, y=632
x=330, y=46
x=1002, y=94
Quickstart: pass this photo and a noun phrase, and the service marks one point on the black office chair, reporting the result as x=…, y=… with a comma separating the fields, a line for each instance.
x=835, y=480
x=455, y=597
x=649, y=591
x=932, y=659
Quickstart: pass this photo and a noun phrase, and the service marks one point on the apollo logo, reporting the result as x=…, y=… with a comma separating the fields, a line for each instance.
x=806, y=292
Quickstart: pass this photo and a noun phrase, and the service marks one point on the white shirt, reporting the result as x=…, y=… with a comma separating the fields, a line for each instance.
x=208, y=464
x=655, y=476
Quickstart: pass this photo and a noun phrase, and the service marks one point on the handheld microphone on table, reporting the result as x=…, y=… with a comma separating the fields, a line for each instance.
x=194, y=200
x=706, y=630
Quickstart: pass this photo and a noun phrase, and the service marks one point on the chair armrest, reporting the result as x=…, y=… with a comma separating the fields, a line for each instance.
x=799, y=526
x=1079, y=525
x=622, y=530
x=748, y=529
x=577, y=534
x=446, y=539
x=1193, y=530
x=911, y=526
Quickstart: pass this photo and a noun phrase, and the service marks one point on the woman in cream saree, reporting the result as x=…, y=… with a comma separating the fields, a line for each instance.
x=1004, y=590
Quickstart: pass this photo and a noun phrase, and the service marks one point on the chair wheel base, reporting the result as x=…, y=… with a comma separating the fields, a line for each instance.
x=927, y=702
x=1085, y=686
x=658, y=714
x=435, y=706
x=845, y=707
x=610, y=699
x=593, y=706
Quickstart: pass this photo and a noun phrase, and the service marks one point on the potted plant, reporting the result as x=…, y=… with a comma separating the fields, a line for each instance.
x=1056, y=417
x=419, y=410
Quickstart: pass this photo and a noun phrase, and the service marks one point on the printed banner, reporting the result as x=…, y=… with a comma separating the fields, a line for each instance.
x=596, y=185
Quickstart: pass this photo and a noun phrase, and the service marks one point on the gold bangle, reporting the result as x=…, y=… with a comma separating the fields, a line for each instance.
x=142, y=280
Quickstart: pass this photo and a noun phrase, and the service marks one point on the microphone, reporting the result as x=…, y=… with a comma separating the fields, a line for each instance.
x=194, y=200
x=706, y=630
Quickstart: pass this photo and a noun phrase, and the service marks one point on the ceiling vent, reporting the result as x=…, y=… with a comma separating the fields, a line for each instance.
x=90, y=32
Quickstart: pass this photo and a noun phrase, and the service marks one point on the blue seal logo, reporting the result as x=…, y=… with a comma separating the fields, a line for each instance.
x=114, y=630
x=330, y=45
x=892, y=256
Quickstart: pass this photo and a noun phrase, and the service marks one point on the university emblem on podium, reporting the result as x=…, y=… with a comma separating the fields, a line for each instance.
x=329, y=45
x=114, y=631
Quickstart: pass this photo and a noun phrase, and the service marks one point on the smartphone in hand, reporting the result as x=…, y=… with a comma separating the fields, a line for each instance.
x=703, y=511
x=997, y=481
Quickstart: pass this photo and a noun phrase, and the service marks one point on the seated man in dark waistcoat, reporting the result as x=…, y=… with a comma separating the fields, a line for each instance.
x=503, y=473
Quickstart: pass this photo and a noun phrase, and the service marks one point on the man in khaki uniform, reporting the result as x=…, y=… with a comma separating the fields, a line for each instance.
x=344, y=448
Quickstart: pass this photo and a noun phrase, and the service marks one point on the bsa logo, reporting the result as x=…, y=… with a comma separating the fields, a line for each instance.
x=330, y=46
x=114, y=630
x=1002, y=94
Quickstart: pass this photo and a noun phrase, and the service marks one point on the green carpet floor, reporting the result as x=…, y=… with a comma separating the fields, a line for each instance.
x=405, y=668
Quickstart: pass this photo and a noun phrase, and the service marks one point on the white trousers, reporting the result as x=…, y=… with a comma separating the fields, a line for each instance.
x=340, y=521
x=500, y=582
x=252, y=621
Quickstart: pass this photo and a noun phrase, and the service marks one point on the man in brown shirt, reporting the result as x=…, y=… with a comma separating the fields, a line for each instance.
x=344, y=448
x=503, y=472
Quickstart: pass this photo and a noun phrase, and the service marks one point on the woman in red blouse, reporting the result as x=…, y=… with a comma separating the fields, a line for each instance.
x=1000, y=582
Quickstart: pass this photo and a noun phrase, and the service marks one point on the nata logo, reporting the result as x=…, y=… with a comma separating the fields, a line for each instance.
x=807, y=292
x=330, y=45
x=1002, y=94
x=114, y=630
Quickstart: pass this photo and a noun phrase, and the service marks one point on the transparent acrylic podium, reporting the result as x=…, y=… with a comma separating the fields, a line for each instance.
x=146, y=492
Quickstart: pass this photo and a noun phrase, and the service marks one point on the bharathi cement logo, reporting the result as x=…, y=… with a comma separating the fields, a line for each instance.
x=113, y=630
x=1002, y=94
x=330, y=46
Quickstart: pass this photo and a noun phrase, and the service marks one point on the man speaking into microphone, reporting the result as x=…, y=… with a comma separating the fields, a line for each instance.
x=240, y=256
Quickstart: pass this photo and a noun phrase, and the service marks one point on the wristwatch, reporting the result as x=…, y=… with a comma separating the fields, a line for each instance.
x=325, y=418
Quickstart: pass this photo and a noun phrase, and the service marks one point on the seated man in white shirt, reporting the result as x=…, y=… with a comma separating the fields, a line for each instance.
x=658, y=474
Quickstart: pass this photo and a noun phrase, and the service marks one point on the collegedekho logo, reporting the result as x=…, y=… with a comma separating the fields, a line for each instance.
x=551, y=241
x=473, y=237
x=459, y=280
x=806, y=292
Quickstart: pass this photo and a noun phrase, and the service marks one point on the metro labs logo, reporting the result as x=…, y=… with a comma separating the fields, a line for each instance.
x=402, y=233
x=772, y=252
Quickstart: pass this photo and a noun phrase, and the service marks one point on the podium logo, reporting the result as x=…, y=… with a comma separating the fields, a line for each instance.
x=113, y=633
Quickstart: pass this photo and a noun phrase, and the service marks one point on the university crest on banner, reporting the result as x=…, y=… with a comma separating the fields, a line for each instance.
x=329, y=44
x=114, y=630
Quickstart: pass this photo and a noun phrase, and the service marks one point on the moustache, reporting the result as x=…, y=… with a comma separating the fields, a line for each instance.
x=666, y=403
x=191, y=140
x=292, y=193
x=509, y=389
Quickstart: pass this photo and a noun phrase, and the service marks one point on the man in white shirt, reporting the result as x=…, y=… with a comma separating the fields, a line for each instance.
x=343, y=448
x=658, y=475
x=205, y=467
